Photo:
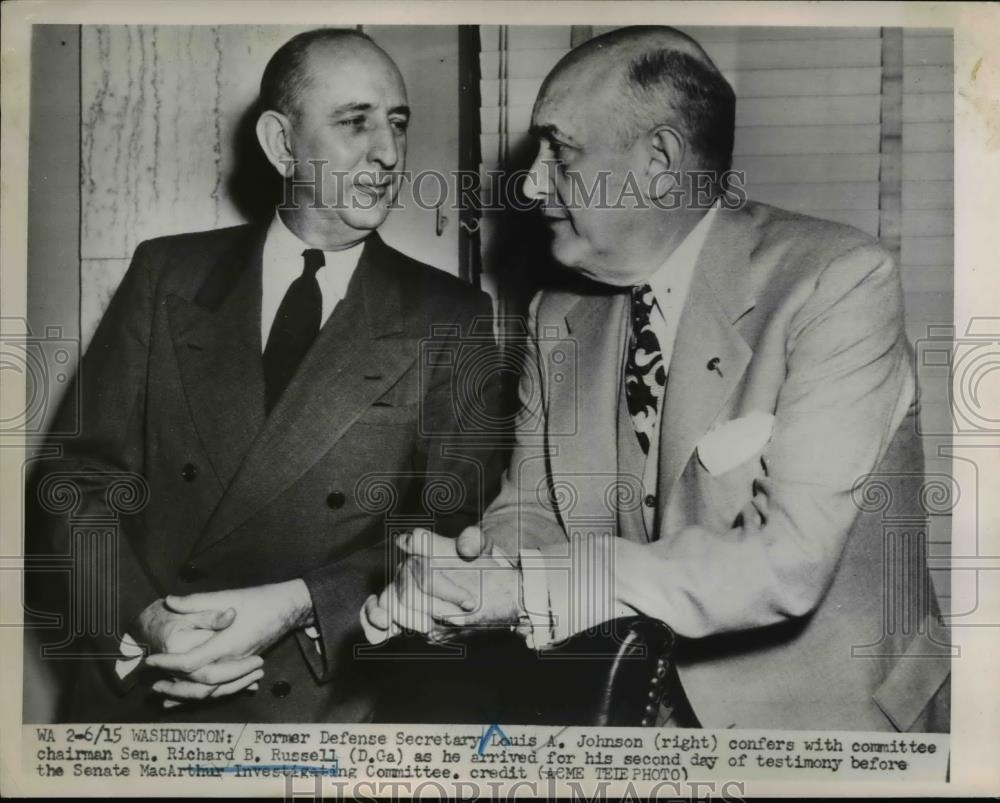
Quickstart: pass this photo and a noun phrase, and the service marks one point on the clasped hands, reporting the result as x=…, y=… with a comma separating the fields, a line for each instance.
x=442, y=585
x=209, y=644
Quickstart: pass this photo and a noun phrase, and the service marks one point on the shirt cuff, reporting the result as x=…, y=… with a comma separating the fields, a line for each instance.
x=535, y=600
x=132, y=655
x=580, y=581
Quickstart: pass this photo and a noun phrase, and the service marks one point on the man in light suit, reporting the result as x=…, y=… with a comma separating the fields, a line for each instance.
x=262, y=388
x=699, y=421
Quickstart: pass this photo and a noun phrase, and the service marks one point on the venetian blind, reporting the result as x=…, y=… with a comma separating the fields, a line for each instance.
x=927, y=258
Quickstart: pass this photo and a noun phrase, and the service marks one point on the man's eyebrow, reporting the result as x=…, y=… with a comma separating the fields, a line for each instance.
x=353, y=107
x=552, y=132
x=347, y=108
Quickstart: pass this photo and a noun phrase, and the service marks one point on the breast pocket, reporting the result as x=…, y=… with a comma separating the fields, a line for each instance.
x=385, y=414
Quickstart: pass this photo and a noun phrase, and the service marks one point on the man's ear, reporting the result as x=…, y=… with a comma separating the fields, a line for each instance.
x=666, y=155
x=273, y=134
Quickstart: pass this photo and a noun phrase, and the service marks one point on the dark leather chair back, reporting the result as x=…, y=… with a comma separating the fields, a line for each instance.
x=613, y=675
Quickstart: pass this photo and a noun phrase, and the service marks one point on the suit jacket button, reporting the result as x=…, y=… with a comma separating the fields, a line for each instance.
x=281, y=688
x=190, y=572
x=335, y=500
x=189, y=471
x=650, y=500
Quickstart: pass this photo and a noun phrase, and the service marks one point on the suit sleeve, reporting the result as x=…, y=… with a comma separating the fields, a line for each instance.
x=465, y=424
x=847, y=387
x=105, y=406
x=521, y=519
x=459, y=455
x=521, y=516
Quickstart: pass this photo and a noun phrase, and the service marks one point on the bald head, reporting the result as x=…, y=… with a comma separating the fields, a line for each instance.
x=617, y=47
x=651, y=75
x=292, y=69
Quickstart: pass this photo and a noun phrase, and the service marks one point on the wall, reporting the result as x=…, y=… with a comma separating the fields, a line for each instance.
x=53, y=251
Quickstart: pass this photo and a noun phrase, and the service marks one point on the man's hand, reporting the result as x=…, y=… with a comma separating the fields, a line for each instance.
x=161, y=629
x=444, y=581
x=229, y=661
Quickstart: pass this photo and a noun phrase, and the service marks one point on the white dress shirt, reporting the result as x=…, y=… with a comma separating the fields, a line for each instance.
x=670, y=283
x=281, y=264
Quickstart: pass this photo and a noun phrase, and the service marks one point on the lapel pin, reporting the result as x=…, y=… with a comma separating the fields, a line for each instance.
x=713, y=365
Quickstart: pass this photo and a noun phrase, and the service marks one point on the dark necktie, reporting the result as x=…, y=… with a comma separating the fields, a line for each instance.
x=294, y=329
x=645, y=377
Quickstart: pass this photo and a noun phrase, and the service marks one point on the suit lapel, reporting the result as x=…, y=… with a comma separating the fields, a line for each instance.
x=216, y=339
x=710, y=356
x=595, y=326
x=631, y=470
x=358, y=355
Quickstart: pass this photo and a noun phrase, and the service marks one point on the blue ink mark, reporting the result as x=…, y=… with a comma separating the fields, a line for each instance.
x=311, y=769
x=485, y=740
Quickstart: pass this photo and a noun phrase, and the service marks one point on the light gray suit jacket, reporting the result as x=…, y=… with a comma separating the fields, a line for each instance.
x=801, y=602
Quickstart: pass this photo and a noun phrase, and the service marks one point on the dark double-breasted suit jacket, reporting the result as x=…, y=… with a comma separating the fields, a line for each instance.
x=382, y=427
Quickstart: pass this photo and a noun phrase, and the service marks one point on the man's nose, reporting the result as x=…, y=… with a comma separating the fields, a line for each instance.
x=536, y=183
x=384, y=150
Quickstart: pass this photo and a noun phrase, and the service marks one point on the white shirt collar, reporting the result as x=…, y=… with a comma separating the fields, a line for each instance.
x=281, y=263
x=674, y=276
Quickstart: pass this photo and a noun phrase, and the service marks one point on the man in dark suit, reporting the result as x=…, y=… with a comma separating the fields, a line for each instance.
x=266, y=384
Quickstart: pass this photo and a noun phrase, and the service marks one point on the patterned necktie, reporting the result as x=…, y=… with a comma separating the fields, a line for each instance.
x=645, y=377
x=294, y=329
